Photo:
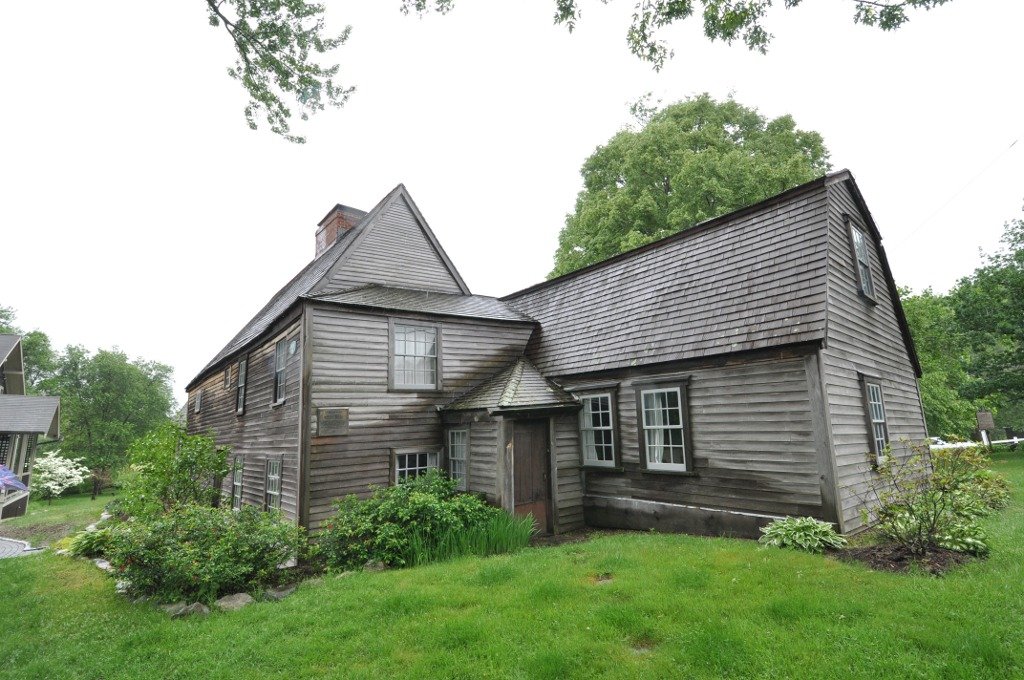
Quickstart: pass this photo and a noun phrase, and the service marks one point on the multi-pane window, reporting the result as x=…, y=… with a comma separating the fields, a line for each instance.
x=409, y=465
x=415, y=357
x=878, y=430
x=199, y=400
x=280, y=360
x=458, y=447
x=227, y=377
x=662, y=418
x=240, y=388
x=236, y=483
x=860, y=252
x=272, y=497
x=597, y=430
x=5, y=447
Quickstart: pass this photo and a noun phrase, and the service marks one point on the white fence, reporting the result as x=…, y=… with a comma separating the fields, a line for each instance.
x=963, y=445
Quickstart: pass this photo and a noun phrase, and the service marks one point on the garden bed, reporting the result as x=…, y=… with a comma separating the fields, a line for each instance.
x=895, y=558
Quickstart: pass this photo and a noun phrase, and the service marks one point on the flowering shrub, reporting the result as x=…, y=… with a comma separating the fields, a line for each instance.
x=52, y=474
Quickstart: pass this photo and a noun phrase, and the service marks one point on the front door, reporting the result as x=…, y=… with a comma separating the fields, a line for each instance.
x=532, y=471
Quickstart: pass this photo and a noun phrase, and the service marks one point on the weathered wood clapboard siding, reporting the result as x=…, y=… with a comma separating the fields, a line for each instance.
x=394, y=251
x=483, y=458
x=264, y=429
x=753, y=436
x=862, y=338
x=567, y=458
x=350, y=370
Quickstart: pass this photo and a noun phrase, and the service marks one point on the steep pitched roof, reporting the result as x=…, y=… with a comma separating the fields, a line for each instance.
x=7, y=344
x=520, y=386
x=425, y=301
x=314, y=273
x=32, y=415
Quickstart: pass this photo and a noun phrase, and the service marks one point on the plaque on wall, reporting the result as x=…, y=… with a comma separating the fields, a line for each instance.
x=331, y=422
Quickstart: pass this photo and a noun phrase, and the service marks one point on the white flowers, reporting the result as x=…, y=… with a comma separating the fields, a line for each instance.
x=52, y=474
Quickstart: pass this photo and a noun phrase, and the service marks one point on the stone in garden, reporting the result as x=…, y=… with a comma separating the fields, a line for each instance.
x=374, y=565
x=91, y=527
x=121, y=587
x=173, y=609
x=62, y=551
x=103, y=564
x=279, y=593
x=105, y=516
x=194, y=609
x=230, y=603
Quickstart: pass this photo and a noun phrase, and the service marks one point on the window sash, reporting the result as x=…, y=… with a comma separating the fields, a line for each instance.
x=662, y=418
x=280, y=360
x=227, y=377
x=243, y=365
x=272, y=497
x=236, y=484
x=879, y=430
x=408, y=465
x=597, y=430
x=414, y=363
x=458, y=452
x=860, y=250
x=199, y=400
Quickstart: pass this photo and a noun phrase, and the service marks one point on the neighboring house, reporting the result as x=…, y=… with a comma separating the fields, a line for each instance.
x=751, y=367
x=22, y=420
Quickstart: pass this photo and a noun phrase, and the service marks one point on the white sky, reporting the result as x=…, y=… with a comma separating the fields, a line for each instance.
x=138, y=210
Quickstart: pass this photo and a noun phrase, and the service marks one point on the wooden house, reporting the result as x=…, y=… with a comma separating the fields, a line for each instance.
x=751, y=367
x=22, y=420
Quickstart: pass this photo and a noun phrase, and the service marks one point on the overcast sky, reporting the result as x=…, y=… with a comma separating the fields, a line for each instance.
x=138, y=210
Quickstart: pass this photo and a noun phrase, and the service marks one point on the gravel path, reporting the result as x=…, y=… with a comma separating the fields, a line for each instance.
x=10, y=548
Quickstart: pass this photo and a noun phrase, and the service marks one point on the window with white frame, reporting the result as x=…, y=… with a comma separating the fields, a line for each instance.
x=227, y=377
x=458, y=450
x=860, y=253
x=272, y=486
x=199, y=400
x=409, y=465
x=414, y=358
x=236, y=483
x=663, y=428
x=243, y=365
x=280, y=361
x=597, y=431
x=878, y=429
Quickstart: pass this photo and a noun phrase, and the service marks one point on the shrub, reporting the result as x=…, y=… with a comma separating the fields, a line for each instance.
x=802, y=533
x=52, y=474
x=413, y=522
x=502, y=533
x=199, y=553
x=95, y=543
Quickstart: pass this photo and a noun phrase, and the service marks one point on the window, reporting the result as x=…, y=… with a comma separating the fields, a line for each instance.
x=863, y=259
x=236, y=483
x=409, y=465
x=5, y=447
x=240, y=388
x=199, y=400
x=874, y=406
x=227, y=377
x=280, y=359
x=597, y=432
x=458, y=447
x=664, y=430
x=272, y=485
x=414, y=362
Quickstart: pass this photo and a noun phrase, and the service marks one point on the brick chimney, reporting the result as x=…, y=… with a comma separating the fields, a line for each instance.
x=334, y=225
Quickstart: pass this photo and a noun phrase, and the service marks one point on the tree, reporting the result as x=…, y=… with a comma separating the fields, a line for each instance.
x=52, y=474
x=276, y=42
x=726, y=20
x=107, y=401
x=38, y=355
x=690, y=162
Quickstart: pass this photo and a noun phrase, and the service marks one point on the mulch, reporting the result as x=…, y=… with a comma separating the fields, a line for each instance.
x=886, y=557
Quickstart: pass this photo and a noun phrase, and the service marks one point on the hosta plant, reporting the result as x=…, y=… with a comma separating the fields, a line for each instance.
x=802, y=533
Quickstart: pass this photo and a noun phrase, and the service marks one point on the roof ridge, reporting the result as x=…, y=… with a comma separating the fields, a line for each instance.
x=508, y=395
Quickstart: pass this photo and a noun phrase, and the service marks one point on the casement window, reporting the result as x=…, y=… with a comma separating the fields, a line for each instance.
x=243, y=365
x=664, y=434
x=859, y=243
x=272, y=485
x=227, y=378
x=874, y=410
x=199, y=400
x=597, y=430
x=409, y=465
x=280, y=361
x=236, y=483
x=458, y=450
x=414, y=358
x=5, y=448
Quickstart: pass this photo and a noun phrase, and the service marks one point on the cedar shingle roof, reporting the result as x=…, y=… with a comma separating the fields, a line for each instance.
x=520, y=386
x=428, y=302
x=34, y=414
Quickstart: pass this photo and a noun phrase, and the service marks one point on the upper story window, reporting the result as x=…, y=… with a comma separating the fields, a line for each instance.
x=861, y=255
x=272, y=485
x=409, y=465
x=280, y=361
x=236, y=483
x=874, y=406
x=663, y=436
x=243, y=367
x=458, y=452
x=199, y=400
x=227, y=377
x=414, y=363
x=597, y=430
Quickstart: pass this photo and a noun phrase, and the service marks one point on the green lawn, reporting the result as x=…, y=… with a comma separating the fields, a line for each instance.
x=45, y=522
x=676, y=606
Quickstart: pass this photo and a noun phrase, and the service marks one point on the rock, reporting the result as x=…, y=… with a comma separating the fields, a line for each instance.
x=279, y=593
x=194, y=609
x=374, y=565
x=105, y=516
x=62, y=551
x=230, y=603
x=91, y=527
x=173, y=610
x=121, y=587
x=103, y=564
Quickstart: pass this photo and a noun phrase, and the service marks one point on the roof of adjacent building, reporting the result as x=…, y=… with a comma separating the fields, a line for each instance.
x=30, y=414
x=519, y=386
x=423, y=301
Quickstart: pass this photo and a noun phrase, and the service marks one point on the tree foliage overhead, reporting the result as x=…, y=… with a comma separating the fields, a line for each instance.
x=691, y=161
x=277, y=42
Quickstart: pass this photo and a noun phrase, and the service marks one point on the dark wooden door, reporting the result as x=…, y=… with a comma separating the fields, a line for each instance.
x=532, y=471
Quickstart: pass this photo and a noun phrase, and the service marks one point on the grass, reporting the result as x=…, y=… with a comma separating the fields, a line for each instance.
x=618, y=606
x=45, y=523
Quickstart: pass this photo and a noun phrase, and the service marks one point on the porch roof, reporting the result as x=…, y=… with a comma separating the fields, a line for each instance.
x=30, y=414
x=519, y=386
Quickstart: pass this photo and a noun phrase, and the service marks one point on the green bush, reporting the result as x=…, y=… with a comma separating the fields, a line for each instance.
x=199, y=553
x=95, y=543
x=417, y=521
x=802, y=533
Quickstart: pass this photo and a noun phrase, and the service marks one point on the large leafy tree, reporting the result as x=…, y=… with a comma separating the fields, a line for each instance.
x=39, y=357
x=690, y=161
